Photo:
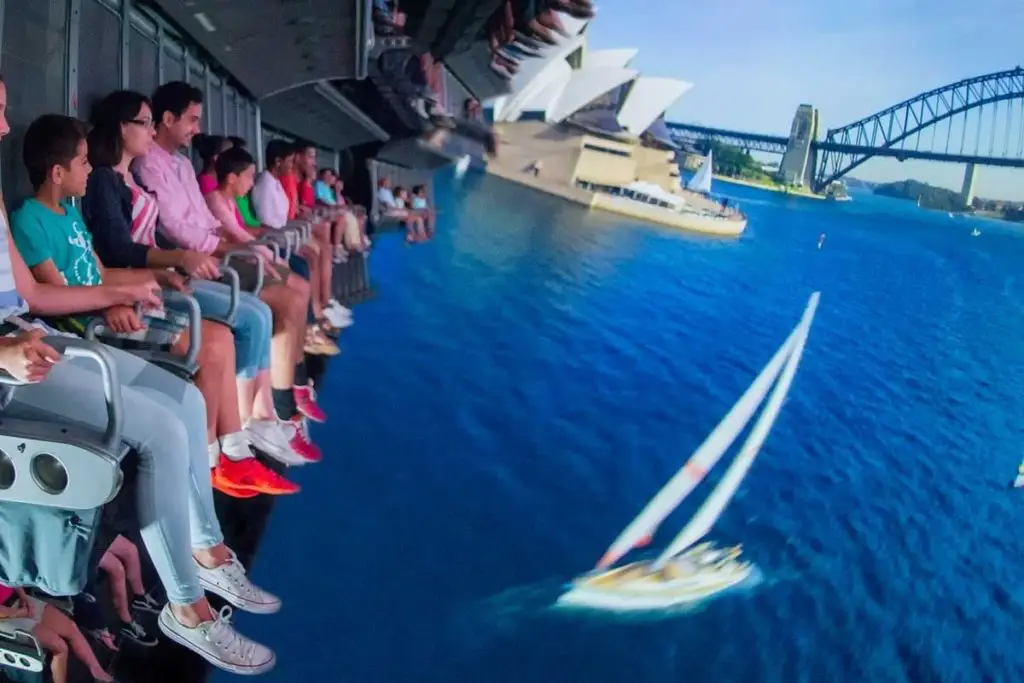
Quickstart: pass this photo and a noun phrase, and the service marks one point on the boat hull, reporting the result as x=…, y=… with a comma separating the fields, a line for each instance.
x=709, y=225
x=635, y=587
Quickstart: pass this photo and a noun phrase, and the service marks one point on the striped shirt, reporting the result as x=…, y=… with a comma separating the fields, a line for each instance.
x=145, y=214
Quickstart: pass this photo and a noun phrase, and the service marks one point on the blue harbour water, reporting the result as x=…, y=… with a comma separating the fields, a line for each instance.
x=524, y=383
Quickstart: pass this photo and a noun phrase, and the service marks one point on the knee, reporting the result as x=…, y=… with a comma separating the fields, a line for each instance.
x=113, y=567
x=218, y=342
x=299, y=289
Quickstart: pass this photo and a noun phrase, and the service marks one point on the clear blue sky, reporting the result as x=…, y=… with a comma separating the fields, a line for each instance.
x=753, y=61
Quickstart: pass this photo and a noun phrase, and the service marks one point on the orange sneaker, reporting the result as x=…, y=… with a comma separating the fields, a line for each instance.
x=250, y=475
x=228, y=489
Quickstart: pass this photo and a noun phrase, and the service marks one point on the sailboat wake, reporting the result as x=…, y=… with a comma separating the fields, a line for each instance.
x=688, y=572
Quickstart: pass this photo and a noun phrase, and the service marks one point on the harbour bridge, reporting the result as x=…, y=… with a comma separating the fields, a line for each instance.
x=976, y=121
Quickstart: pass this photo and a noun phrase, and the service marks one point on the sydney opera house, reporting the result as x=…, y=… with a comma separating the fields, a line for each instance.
x=586, y=125
x=569, y=79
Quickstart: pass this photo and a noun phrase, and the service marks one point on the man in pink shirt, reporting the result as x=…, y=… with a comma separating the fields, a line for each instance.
x=186, y=222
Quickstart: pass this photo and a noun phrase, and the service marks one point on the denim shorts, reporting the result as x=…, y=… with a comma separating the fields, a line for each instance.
x=253, y=325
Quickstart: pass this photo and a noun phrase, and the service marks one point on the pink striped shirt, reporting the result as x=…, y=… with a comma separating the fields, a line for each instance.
x=145, y=213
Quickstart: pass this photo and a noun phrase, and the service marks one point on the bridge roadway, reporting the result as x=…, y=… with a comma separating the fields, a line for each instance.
x=777, y=144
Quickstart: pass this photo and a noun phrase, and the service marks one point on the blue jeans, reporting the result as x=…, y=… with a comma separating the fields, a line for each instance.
x=253, y=326
x=165, y=422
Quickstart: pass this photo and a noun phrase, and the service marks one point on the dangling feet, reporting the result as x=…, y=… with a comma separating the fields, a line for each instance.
x=135, y=632
x=300, y=441
x=305, y=401
x=273, y=437
x=219, y=643
x=229, y=581
x=239, y=474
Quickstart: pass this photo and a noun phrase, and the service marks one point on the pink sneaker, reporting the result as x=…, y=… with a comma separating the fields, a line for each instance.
x=305, y=401
x=300, y=443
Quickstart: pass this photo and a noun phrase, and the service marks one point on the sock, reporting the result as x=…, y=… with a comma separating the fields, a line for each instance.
x=213, y=451
x=235, y=446
x=301, y=374
x=284, y=403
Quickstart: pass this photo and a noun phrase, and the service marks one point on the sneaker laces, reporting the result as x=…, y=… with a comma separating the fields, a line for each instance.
x=222, y=634
x=148, y=600
x=136, y=629
x=235, y=573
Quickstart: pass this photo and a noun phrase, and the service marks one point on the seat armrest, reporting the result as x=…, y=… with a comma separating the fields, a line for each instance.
x=231, y=275
x=72, y=347
x=247, y=253
x=195, y=319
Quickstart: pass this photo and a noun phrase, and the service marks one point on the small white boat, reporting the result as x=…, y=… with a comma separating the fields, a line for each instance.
x=685, y=572
x=701, y=180
x=975, y=233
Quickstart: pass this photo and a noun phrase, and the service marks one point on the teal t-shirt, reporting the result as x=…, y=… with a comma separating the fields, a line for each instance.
x=43, y=234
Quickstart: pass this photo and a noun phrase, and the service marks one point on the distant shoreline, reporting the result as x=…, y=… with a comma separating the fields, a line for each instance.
x=767, y=188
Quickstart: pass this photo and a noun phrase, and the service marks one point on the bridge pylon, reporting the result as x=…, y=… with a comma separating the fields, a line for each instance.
x=797, y=167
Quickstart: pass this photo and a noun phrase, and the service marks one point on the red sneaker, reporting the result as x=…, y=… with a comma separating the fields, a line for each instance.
x=305, y=401
x=250, y=475
x=300, y=443
x=219, y=484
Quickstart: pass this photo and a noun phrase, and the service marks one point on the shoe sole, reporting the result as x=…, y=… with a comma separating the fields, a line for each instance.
x=235, y=492
x=151, y=643
x=255, y=489
x=274, y=454
x=219, y=663
x=310, y=417
x=239, y=602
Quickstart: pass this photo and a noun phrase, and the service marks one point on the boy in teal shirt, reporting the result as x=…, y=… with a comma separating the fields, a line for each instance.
x=50, y=232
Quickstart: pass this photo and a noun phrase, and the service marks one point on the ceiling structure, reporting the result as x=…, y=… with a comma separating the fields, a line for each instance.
x=270, y=46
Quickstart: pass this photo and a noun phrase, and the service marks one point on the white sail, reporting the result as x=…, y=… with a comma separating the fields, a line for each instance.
x=711, y=510
x=702, y=460
x=701, y=180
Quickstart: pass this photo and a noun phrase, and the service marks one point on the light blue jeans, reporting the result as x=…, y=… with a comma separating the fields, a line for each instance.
x=165, y=422
x=254, y=325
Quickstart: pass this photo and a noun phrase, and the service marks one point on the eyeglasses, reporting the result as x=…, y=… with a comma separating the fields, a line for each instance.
x=145, y=123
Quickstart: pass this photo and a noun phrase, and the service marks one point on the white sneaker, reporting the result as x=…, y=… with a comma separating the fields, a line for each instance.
x=270, y=437
x=334, y=304
x=219, y=643
x=230, y=582
x=337, y=319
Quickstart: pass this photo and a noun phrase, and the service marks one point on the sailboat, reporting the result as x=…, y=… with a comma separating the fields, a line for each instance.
x=686, y=571
x=975, y=233
x=701, y=180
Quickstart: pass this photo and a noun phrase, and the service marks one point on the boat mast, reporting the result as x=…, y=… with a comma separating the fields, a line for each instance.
x=711, y=510
x=702, y=460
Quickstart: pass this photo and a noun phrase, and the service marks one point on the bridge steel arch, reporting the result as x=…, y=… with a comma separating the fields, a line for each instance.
x=889, y=127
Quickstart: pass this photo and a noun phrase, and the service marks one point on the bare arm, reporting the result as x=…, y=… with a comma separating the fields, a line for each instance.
x=127, y=276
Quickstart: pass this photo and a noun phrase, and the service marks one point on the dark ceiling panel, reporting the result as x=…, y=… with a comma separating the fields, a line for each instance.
x=273, y=45
x=304, y=113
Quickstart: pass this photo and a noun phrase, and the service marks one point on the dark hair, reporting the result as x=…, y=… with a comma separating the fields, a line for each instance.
x=51, y=140
x=174, y=97
x=106, y=146
x=237, y=141
x=325, y=170
x=397, y=190
x=234, y=160
x=277, y=150
x=416, y=189
x=208, y=147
